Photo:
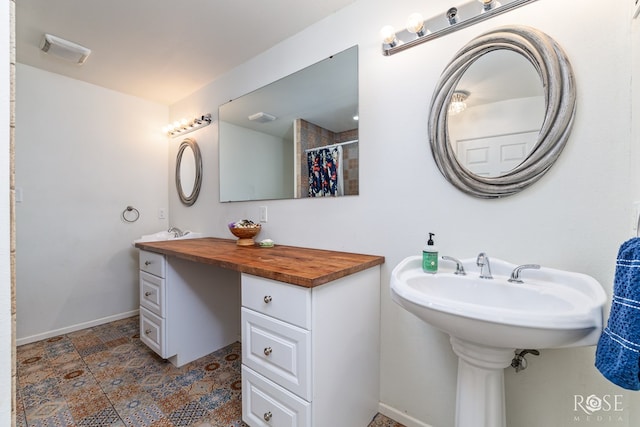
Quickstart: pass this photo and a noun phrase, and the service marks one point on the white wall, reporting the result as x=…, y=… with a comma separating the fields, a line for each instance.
x=83, y=154
x=635, y=88
x=498, y=118
x=6, y=342
x=574, y=218
x=259, y=164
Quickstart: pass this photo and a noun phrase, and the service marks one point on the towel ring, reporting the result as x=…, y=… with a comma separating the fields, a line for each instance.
x=130, y=214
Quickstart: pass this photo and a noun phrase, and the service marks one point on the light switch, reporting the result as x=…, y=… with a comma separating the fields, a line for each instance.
x=263, y=214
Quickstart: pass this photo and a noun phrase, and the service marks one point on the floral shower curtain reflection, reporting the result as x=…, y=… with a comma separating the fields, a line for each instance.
x=325, y=172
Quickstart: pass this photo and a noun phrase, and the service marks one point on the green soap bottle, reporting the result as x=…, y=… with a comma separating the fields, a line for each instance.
x=430, y=256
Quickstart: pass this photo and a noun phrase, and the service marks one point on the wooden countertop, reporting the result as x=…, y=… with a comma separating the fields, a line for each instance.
x=299, y=266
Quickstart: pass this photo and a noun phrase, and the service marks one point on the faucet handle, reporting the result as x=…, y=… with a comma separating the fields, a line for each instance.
x=515, y=274
x=483, y=262
x=459, y=266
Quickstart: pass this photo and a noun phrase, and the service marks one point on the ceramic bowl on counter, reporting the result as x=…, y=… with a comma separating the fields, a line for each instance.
x=245, y=230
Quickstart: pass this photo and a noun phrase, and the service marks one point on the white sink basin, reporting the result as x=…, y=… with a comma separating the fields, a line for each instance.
x=165, y=235
x=487, y=319
x=551, y=309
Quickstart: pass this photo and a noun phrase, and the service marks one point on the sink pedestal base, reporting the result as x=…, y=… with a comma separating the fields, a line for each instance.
x=480, y=394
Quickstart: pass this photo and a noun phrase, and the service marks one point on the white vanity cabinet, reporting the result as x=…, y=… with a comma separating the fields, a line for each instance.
x=309, y=320
x=310, y=355
x=152, y=302
x=187, y=309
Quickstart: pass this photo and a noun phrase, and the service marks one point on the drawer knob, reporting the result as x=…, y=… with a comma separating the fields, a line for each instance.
x=146, y=294
x=267, y=351
x=267, y=416
x=147, y=331
x=147, y=262
x=267, y=299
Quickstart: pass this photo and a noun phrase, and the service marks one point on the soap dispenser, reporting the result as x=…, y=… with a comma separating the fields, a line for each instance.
x=430, y=256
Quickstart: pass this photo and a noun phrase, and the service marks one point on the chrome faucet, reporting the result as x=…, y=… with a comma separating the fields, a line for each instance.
x=483, y=261
x=459, y=267
x=515, y=274
x=176, y=231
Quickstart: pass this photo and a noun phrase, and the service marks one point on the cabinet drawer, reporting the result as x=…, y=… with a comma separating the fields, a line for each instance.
x=265, y=404
x=152, y=293
x=286, y=302
x=152, y=332
x=277, y=350
x=152, y=263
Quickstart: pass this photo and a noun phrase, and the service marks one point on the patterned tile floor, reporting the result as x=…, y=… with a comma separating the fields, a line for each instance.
x=105, y=376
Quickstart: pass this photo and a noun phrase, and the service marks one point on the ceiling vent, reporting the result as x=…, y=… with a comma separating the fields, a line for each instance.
x=64, y=49
x=261, y=117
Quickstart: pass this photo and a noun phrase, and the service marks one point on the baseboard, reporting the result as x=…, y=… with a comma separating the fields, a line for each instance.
x=400, y=417
x=73, y=328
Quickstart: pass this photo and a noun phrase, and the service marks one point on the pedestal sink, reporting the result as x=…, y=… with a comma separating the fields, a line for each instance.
x=488, y=319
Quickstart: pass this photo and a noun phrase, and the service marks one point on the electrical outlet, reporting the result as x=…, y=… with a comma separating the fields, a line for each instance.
x=263, y=214
x=162, y=213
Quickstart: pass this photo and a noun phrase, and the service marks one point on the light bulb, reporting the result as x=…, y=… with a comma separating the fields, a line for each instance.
x=489, y=4
x=388, y=34
x=184, y=122
x=452, y=15
x=415, y=24
x=165, y=129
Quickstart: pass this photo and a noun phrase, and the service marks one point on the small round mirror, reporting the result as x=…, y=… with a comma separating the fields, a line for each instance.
x=188, y=171
x=497, y=153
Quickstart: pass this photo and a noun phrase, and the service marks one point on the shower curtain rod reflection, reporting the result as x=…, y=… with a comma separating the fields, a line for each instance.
x=331, y=145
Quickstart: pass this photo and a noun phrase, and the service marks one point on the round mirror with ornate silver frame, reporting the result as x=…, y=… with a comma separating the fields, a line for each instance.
x=188, y=171
x=554, y=69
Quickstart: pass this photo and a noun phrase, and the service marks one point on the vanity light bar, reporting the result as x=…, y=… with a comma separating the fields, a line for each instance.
x=454, y=19
x=182, y=127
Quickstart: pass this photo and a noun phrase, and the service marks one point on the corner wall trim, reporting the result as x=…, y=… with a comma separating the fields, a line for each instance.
x=76, y=327
x=399, y=416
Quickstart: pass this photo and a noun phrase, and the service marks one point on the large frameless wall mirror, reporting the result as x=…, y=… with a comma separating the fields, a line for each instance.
x=502, y=112
x=188, y=171
x=294, y=138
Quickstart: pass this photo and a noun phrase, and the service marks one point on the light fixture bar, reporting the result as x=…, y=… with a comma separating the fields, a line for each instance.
x=447, y=22
x=182, y=127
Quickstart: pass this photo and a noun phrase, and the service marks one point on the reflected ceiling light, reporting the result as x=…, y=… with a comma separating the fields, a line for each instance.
x=184, y=126
x=458, y=102
x=261, y=117
x=64, y=49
